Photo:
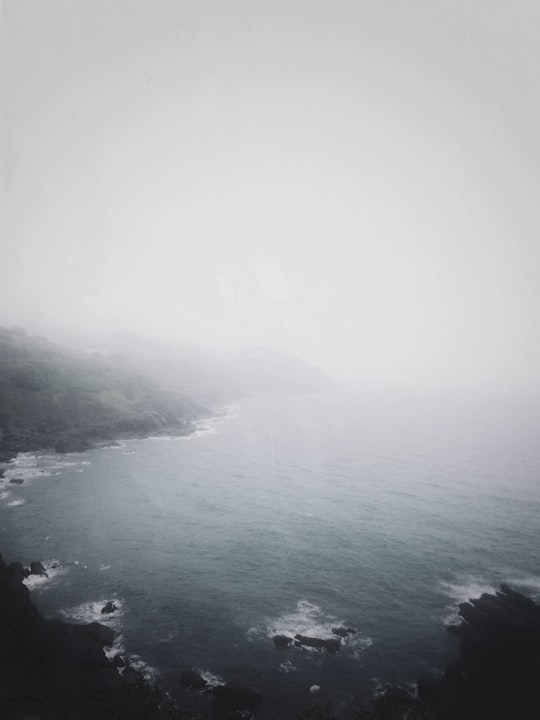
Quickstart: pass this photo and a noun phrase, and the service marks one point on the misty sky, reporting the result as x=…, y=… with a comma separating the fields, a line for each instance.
x=353, y=181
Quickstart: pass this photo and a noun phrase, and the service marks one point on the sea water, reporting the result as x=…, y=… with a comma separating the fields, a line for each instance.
x=285, y=515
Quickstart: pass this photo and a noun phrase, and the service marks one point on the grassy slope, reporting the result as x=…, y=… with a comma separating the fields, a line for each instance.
x=46, y=390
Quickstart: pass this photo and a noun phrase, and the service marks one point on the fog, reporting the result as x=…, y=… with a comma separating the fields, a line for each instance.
x=354, y=182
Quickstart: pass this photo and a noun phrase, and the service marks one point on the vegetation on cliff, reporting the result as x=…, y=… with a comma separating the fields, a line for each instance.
x=51, y=396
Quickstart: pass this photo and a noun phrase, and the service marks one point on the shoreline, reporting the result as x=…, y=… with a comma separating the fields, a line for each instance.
x=65, y=442
x=494, y=675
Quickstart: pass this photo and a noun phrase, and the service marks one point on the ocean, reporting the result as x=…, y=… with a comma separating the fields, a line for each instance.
x=285, y=515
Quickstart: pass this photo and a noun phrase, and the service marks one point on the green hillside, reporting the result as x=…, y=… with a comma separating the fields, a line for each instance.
x=53, y=397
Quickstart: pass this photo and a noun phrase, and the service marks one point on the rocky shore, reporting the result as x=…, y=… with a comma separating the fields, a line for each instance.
x=48, y=668
x=53, y=670
x=78, y=439
x=496, y=675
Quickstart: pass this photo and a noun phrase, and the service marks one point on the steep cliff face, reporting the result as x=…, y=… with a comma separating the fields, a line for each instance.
x=53, y=397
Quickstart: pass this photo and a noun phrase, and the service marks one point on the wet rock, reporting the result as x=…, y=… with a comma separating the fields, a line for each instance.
x=36, y=568
x=499, y=657
x=282, y=641
x=235, y=697
x=109, y=608
x=343, y=631
x=191, y=680
x=331, y=644
x=17, y=571
x=118, y=661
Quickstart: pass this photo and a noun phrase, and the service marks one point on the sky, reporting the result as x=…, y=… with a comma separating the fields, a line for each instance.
x=354, y=182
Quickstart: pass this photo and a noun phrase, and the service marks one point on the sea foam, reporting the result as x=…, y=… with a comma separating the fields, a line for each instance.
x=309, y=619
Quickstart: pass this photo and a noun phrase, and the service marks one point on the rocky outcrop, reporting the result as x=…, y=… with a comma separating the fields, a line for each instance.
x=282, y=641
x=36, y=568
x=109, y=608
x=52, y=669
x=330, y=644
x=497, y=673
x=343, y=631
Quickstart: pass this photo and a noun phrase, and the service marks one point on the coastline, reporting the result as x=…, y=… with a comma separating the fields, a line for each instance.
x=69, y=441
x=79, y=674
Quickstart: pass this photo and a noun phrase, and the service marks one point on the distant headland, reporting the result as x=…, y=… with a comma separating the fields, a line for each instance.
x=58, y=398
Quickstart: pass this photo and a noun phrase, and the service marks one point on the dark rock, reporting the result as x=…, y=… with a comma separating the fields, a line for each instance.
x=17, y=571
x=282, y=641
x=56, y=670
x=328, y=644
x=191, y=680
x=343, y=631
x=234, y=697
x=131, y=676
x=109, y=608
x=16, y=481
x=118, y=661
x=100, y=633
x=496, y=675
x=36, y=568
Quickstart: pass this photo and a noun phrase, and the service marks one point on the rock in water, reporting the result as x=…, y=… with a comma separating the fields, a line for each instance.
x=328, y=644
x=191, y=680
x=109, y=608
x=343, y=631
x=36, y=568
x=282, y=641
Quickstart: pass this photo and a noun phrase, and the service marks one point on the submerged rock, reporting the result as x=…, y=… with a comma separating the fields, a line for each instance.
x=192, y=680
x=236, y=697
x=16, y=481
x=328, y=644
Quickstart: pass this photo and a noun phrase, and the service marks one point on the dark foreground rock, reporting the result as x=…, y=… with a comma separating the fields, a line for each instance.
x=331, y=644
x=54, y=670
x=192, y=680
x=496, y=676
x=228, y=698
